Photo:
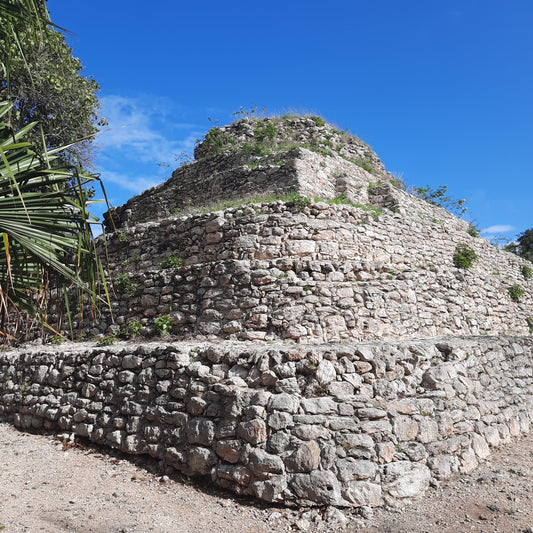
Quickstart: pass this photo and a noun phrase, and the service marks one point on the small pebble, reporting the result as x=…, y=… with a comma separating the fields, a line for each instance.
x=303, y=524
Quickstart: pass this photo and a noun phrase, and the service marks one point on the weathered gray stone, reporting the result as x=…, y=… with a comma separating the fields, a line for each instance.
x=405, y=428
x=230, y=450
x=284, y=402
x=235, y=473
x=310, y=431
x=468, y=461
x=480, y=446
x=320, y=487
x=350, y=469
x=262, y=463
x=200, y=460
x=360, y=493
x=325, y=373
x=131, y=361
x=279, y=420
x=334, y=518
x=404, y=479
x=197, y=420
x=115, y=437
x=253, y=431
x=444, y=466
x=428, y=430
x=357, y=445
x=371, y=413
x=278, y=442
x=40, y=374
x=414, y=450
x=319, y=405
x=305, y=459
x=340, y=388
x=492, y=436
x=271, y=490
x=445, y=372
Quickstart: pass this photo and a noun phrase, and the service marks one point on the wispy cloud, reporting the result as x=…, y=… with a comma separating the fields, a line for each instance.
x=498, y=228
x=145, y=128
x=134, y=184
x=146, y=137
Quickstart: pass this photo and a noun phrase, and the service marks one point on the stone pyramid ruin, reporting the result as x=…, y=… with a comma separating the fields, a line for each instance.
x=351, y=257
x=335, y=340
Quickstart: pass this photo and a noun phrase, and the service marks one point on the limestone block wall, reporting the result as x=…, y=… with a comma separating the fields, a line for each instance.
x=227, y=177
x=329, y=273
x=346, y=425
x=204, y=182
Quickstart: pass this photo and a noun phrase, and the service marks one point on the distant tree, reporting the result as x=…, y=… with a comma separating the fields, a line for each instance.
x=46, y=245
x=523, y=246
x=44, y=82
x=438, y=197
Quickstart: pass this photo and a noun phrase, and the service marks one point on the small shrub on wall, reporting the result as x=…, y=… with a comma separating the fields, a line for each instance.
x=516, y=292
x=464, y=256
x=526, y=271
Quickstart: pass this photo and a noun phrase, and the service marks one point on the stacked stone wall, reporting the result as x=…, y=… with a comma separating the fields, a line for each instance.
x=232, y=177
x=345, y=425
x=327, y=273
x=204, y=183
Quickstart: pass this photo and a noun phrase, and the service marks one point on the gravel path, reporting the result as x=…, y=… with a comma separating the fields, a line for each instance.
x=51, y=486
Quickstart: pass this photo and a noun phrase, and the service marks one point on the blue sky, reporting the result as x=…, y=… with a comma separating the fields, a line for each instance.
x=442, y=91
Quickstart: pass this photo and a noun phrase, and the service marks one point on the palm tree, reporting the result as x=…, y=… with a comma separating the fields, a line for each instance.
x=47, y=249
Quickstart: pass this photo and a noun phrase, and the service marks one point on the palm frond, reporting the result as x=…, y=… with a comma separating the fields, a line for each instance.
x=45, y=226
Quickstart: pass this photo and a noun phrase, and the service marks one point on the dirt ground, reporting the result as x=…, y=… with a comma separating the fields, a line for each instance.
x=54, y=486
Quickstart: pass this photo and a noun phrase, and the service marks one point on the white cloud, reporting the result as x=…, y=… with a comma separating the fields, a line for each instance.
x=134, y=184
x=501, y=228
x=145, y=129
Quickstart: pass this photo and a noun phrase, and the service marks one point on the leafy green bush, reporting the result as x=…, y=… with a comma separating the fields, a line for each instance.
x=526, y=271
x=319, y=121
x=472, y=230
x=300, y=202
x=438, y=197
x=171, y=262
x=522, y=246
x=464, y=256
x=163, y=325
x=216, y=141
x=131, y=329
x=340, y=199
x=124, y=285
x=398, y=183
x=107, y=340
x=516, y=292
x=365, y=164
x=264, y=140
x=265, y=130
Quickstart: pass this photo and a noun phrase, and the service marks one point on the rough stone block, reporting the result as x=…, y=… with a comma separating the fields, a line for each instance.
x=253, y=431
x=305, y=459
x=320, y=487
x=404, y=479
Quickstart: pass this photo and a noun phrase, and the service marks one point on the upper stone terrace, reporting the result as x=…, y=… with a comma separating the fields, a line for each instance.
x=261, y=157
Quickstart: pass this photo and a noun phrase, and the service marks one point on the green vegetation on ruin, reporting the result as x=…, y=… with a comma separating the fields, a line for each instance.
x=271, y=135
x=464, y=256
x=293, y=199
